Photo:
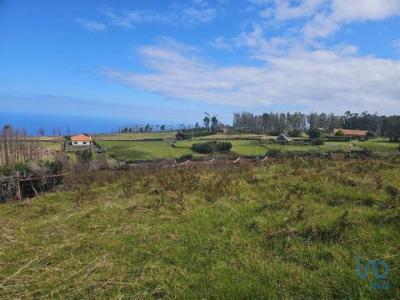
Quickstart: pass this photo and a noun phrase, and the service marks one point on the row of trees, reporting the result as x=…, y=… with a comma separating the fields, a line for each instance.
x=145, y=128
x=15, y=147
x=296, y=123
x=272, y=123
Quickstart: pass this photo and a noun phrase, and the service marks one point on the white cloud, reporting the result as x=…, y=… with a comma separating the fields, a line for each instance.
x=130, y=18
x=325, y=17
x=221, y=43
x=306, y=8
x=343, y=12
x=259, y=45
x=331, y=80
x=198, y=12
x=198, y=15
x=91, y=25
x=364, y=10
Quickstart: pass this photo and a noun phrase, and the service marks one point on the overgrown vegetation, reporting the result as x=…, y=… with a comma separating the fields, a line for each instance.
x=291, y=229
x=15, y=147
x=211, y=147
x=13, y=181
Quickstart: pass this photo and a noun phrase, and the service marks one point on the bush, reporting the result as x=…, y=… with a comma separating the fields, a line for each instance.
x=223, y=146
x=314, y=133
x=339, y=133
x=210, y=147
x=371, y=135
x=84, y=156
x=203, y=148
x=317, y=141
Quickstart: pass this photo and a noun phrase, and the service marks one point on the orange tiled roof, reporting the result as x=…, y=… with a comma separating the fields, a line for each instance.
x=352, y=132
x=81, y=138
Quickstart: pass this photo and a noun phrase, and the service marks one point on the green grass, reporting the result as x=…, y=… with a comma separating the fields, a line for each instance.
x=143, y=150
x=134, y=136
x=147, y=150
x=289, y=230
x=378, y=145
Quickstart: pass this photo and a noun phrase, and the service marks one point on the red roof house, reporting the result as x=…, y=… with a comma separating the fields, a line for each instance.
x=352, y=132
x=81, y=140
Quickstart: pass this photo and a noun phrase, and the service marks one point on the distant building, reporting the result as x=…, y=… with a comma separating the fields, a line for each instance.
x=79, y=142
x=283, y=139
x=352, y=133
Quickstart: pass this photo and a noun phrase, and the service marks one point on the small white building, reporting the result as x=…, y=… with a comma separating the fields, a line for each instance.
x=81, y=140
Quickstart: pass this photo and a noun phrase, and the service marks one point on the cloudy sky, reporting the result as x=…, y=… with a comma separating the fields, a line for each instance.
x=172, y=60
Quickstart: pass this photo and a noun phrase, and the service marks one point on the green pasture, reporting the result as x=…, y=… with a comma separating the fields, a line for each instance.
x=147, y=150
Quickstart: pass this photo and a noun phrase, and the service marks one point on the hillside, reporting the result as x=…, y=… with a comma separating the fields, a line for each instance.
x=290, y=229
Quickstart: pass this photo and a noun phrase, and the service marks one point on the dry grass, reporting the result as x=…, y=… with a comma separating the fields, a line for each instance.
x=291, y=229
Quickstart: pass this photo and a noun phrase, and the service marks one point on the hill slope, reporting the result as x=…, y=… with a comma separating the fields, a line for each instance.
x=292, y=229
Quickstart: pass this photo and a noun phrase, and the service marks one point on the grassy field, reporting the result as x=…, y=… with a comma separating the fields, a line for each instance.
x=292, y=229
x=145, y=150
x=135, y=136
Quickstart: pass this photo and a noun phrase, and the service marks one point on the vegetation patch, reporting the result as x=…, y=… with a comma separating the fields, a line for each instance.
x=290, y=229
x=211, y=147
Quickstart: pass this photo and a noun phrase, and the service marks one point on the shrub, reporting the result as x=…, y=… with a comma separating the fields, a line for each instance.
x=317, y=141
x=274, y=153
x=339, y=133
x=84, y=156
x=210, y=147
x=371, y=135
x=223, y=146
x=314, y=133
x=203, y=148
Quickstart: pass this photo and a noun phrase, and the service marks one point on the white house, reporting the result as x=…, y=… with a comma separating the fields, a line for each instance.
x=81, y=140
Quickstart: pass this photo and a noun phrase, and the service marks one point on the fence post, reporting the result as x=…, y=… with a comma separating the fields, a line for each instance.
x=18, y=188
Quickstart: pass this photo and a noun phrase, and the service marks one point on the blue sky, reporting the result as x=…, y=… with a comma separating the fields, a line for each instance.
x=169, y=61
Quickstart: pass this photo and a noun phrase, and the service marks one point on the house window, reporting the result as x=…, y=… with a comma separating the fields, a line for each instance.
x=84, y=143
x=75, y=143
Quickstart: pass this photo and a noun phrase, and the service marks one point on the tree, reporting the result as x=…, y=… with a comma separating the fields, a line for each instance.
x=314, y=133
x=214, y=123
x=206, y=121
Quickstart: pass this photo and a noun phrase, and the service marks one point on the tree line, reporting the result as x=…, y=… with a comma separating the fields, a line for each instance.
x=297, y=123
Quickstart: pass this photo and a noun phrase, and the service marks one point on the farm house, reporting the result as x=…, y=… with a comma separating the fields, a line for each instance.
x=79, y=142
x=283, y=139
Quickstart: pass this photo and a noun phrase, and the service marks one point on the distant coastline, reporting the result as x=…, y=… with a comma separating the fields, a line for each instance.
x=67, y=124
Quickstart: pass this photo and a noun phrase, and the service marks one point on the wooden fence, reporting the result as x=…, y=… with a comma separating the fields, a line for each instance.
x=10, y=186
